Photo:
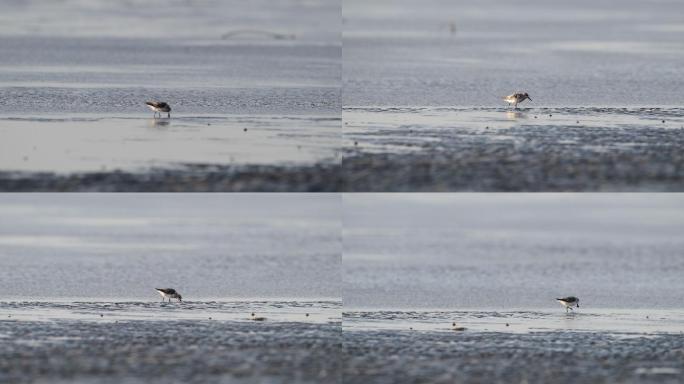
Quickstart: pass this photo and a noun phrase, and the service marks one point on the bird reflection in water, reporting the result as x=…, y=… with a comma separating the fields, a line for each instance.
x=513, y=115
x=156, y=123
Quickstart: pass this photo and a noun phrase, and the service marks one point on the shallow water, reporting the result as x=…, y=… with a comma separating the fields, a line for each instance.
x=87, y=142
x=301, y=311
x=579, y=53
x=410, y=129
x=414, y=149
x=119, y=247
x=513, y=251
x=615, y=321
x=74, y=79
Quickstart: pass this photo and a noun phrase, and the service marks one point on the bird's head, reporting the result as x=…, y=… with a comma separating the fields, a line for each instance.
x=527, y=96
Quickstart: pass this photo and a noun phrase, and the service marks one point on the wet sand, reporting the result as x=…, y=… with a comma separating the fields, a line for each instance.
x=181, y=154
x=254, y=92
x=495, y=149
x=494, y=357
x=168, y=352
x=189, y=342
x=186, y=178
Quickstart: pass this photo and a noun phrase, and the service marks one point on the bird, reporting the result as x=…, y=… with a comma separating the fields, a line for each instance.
x=159, y=107
x=569, y=302
x=169, y=293
x=457, y=327
x=257, y=318
x=517, y=98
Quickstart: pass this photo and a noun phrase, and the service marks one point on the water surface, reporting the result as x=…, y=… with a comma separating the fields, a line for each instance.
x=210, y=247
x=459, y=53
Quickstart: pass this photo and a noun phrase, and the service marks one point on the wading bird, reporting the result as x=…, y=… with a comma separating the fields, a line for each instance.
x=569, y=302
x=169, y=293
x=159, y=107
x=517, y=98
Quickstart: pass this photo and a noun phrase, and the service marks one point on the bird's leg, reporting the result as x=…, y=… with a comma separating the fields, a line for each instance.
x=169, y=115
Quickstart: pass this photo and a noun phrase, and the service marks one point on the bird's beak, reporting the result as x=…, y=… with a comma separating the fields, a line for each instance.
x=529, y=98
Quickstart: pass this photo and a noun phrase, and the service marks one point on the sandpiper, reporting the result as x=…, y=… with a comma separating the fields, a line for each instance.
x=169, y=293
x=569, y=302
x=457, y=327
x=517, y=98
x=257, y=318
x=159, y=107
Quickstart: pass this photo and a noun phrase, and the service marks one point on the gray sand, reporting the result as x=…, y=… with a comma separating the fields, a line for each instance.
x=168, y=352
x=464, y=357
x=536, y=149
x=185, y=178
x=254, y=90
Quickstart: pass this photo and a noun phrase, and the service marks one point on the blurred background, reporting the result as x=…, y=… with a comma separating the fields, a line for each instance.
x=472, y=53
x=207, y=246
x=512, y=251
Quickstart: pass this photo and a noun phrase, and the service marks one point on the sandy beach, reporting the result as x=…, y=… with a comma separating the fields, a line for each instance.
x=423, y=89
x=494, y=357
x=201, y=342
x=79, y=303
x=498, y=149
x=254, y=93
x=494, y=265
